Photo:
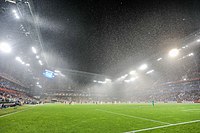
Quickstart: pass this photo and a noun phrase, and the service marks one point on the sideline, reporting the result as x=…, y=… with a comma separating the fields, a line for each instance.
x=170, y=125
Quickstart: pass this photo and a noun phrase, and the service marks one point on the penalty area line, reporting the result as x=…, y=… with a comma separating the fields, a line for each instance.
x=141, y=118
x=15, y=112
x=158, y=127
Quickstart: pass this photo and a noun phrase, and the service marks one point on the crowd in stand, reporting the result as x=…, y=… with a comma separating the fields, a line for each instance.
x=192, y=96
x=12, y=79
x=178, y=97
x=9, y=96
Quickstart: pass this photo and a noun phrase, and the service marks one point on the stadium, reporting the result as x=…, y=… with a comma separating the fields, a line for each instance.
x=89, y=66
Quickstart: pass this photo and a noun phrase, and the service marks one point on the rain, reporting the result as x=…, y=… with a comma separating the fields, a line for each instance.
x=100, y=52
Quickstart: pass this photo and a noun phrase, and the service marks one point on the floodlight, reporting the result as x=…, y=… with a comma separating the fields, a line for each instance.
x=17, y=16
x=40, y=62
x=173, y=53
x=34, y=50
x=127, y=81
x=132, y=79
x=107, y=80
x=124, y=76
x=94, y=81
x=4, y=47
x=11, y=1
x=57, y=71
x=37, y=57
x=14, y=11
x=159, y=59
x=37, y=83
x=101, y=82
x=143, y=67
x=132, y=72
x=198, y=40
x=18, y=59
x=150, y=71
x=191, y=54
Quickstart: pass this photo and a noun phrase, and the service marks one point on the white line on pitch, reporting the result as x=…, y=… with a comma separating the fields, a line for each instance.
x=190, y=109
x=170, y=125
x=15, y=112
x=133, y=116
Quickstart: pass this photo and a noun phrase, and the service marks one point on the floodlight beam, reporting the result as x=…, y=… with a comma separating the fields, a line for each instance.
x=34, y=50
x=143, y=67
x=4, y=47
x=40, y=62
x=132, y=72
x=173, y=53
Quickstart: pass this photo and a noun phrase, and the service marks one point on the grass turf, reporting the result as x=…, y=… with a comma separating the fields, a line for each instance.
x=61, y=118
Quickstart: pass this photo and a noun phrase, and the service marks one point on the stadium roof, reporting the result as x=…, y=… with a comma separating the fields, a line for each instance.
x=94, y=40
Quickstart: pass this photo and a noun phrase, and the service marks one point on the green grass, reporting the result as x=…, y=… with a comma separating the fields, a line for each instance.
x=12, y=110
x=61, y=118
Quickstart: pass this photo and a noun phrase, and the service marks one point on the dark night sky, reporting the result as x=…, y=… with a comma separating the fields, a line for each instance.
x=108, y=36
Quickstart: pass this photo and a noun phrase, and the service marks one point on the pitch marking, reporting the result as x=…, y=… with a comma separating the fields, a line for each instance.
x=133, y=116
x=170, y=125
x=15, y=112
x=191, y=110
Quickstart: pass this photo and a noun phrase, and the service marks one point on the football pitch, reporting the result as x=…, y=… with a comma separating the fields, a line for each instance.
x=105, y=118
